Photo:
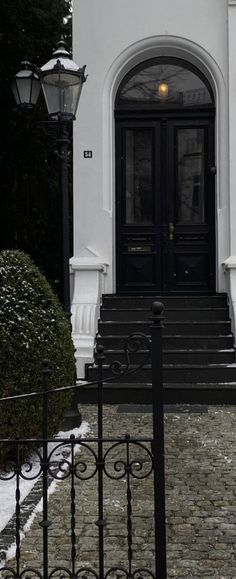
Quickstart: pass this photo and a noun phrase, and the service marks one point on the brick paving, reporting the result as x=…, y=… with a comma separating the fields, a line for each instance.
x=200, y=455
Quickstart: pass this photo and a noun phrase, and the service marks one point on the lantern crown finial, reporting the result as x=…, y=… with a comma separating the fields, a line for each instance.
x=26, y=65
x=61, y=50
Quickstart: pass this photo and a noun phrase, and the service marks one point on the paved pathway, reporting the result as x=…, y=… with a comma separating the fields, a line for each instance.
x=200, y=496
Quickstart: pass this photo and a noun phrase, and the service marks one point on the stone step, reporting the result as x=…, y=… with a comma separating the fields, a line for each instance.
x=178, y=357
x=172, y=314
x=198, y=352
x=173, y=393
x=183, y=373
x=175, y=342
x=114, y=301
x=197, y=328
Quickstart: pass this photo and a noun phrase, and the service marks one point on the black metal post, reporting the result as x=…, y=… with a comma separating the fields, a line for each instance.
x=158, y=441
x=73, y=508
x=63, y=142
x=18, y=510
x=45, y=523
x=72, y=417
x=99, y=357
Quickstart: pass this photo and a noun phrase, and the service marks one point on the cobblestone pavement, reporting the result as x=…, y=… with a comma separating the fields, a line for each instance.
x=200, y=455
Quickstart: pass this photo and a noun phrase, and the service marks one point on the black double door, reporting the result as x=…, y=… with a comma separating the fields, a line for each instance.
x=165, y=205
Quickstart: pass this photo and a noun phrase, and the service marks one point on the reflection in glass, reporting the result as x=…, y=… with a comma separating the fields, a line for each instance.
x=139, y=177
x=184, y=88
x=191, y=177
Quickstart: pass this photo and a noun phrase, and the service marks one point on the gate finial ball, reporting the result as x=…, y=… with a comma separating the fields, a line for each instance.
x=99, y=349
x=157, y=308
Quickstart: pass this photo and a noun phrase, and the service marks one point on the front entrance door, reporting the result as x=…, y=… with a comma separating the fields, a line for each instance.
x=165, y=215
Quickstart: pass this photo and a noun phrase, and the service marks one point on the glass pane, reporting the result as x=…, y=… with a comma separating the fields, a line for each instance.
x=165, y=84
x=61, y=93
x=191, y=177
x=139, y=177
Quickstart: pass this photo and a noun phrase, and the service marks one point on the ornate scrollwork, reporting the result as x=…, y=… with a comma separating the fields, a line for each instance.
x=117, y=368
x=8, y=572
x=29, y=572
x=31, y=467
x=143, y=574
x=86, y=573
x=8, y=472
x=136, y=342
x=83, y=468
x=27, y=468
x=139, y=467
x=122, y=573
x=59, y=573
x=115, y=572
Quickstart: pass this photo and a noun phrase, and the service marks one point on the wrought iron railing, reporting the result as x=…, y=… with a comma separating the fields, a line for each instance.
x=124, y=458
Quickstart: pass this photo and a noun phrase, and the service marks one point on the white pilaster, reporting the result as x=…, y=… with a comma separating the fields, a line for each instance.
x=88, y=287
x=230, y=263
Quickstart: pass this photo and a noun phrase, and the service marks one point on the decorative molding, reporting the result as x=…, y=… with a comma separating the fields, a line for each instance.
x=230, y=262
x=230, y=271
x=88, y=263
x=83, y=316
x=89, y=284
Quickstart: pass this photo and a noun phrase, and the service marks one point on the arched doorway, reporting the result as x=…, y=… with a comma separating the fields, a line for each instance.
x=165, y=199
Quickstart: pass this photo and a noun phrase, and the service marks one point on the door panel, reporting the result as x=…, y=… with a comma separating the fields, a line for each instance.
x=190, y=169
x=137, y=220
x=191, y=206
x=139, y=177
x=165, y=206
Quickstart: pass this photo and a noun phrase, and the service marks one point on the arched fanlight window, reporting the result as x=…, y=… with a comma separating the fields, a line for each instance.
x=165, y=82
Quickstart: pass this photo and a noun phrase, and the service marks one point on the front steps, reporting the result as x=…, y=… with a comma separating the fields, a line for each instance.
x=198, y=351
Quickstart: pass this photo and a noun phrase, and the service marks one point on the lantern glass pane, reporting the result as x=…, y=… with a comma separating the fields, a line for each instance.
x=36, y=87
x=15, y=92
x=26, y=88
x=62, y=92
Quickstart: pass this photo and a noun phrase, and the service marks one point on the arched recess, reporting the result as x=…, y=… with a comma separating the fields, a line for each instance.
x=165, y=182
x=192, y=53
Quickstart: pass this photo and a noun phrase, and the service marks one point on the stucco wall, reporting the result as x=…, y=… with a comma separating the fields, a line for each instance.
x=105, y=30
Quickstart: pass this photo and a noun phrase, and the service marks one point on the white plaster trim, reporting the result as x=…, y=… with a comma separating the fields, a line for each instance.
x=183, y=48
x=230, y=273
x=91, y=263
x=88, y=274
x=230, y=262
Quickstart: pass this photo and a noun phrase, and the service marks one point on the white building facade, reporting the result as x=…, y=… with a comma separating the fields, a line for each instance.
x=154, y=154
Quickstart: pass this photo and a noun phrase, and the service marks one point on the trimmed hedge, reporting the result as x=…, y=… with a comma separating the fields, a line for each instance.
x=32, y=327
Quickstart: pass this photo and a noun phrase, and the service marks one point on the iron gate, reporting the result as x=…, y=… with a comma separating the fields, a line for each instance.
x=124, y=459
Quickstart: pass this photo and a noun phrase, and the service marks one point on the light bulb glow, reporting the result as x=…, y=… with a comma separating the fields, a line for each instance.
x=163, y=90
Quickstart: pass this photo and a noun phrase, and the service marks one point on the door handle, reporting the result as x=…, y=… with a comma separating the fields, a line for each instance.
x=171, y=231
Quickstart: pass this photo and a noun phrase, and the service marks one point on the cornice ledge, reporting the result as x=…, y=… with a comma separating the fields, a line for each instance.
x=230, y=262
x=88, y=263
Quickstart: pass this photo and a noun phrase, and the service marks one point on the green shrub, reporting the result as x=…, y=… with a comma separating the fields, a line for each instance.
x=32, y=327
